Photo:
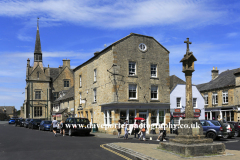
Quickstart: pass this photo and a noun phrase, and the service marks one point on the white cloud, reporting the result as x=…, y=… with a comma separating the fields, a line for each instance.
x=121, y=14
x=233, y=34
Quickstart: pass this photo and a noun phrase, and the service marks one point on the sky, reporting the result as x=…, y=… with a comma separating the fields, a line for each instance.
x=76, y=29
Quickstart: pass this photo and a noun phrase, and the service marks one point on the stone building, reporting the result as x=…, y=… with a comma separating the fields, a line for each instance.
x=43, y=84
x=178, y=100
x=222, y=95
x=63, y=107
x=128, y=79
x=7, y=112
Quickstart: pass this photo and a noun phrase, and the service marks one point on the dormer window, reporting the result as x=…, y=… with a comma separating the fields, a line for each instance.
x=66, y=83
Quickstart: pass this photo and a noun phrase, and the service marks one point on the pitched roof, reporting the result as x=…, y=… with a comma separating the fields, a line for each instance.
x=131, y=34
x=69, y=94
x=224, y=79
x=54, y=72
x=174, y=80
x=9, y=109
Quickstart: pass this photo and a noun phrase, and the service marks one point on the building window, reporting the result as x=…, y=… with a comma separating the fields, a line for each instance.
x=161, y=116
x=154, y=92
x=94, y=95
x=107, y=117
x=214, y=98
x=132, y=91
x=38, y=95
x=123, y=115
x=95, y=75
x=178, y=102
x=225, y=97
x=131, y=116
x=55, y=96
x=194, y=102
x=153, y=116
x=80, y=81
x=153, y=70
x=205, y=99
x=80, y=98
x=38, y=57
x=132, y=68
x=37, y=111
x=66, y=83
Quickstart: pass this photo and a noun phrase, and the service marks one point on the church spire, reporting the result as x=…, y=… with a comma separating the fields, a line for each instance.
x=37, y=42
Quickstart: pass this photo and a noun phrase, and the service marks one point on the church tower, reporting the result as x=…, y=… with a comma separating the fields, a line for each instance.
x=38, y=50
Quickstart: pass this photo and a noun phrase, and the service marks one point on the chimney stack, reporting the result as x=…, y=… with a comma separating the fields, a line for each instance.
x=66, y=63
x=214, y=73
x=28, y=62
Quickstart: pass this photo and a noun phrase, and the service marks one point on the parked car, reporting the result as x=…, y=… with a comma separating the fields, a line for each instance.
x=213, y=129
x=58, y=127
x=11, y=121
x=236, y=127
x=19, y=122
x=230, y=130
x=26, y=122
x=34, y=123
x=74, y=123
x=45, y=125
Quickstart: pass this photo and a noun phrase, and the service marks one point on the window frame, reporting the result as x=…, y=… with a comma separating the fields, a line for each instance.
x=153, y=70
x=132, y=91
x=225, y=97
x=130, y=72
x=180, y=102
x=67, y=83
x=38, y=96
x=154, y=92
x=95, y=95
x=38, y=111
x=205, y=97
x=195, y=103
x=80, y=81
x=95, y=75
x=214, y=98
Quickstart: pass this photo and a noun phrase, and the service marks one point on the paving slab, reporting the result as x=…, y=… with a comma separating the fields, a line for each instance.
x=150, y=150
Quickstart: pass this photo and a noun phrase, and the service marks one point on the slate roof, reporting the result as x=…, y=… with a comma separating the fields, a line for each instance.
x=38, y=43
x=69, y=94
x=9, y=109
x=174, y=80
x=131, y=34
x=54, y=72
x=224, y=79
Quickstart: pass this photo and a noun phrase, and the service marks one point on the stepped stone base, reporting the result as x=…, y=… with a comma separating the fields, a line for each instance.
x=194, y=149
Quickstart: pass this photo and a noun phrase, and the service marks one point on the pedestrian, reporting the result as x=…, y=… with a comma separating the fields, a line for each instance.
x=62, y=124
x=143, y=129
x=126, y=128
x=54, y=124
x=119, y=128
x=136, y=129
x=161, y=133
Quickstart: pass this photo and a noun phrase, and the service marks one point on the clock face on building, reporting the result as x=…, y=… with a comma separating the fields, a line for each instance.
x=142, y=47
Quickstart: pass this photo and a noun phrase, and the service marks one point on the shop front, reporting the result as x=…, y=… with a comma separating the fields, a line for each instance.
x=222, y=113
x=178, y=114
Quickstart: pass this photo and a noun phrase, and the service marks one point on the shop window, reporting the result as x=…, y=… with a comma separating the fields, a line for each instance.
x=131, y=116
x=153, y=116
x=123, y=115
x=161, y=116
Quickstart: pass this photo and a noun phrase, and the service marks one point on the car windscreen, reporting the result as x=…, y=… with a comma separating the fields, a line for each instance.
x=216, y=123
x=79, y=120
x=47, y=122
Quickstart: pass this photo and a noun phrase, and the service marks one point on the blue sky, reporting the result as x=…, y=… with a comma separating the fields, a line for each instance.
x=75, y=29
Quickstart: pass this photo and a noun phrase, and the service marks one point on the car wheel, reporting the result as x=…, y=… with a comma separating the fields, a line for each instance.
x=70, y=132
x=211, y=135
x=236, y=134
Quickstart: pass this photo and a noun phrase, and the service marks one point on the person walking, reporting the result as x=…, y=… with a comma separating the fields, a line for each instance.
x=62, y=128
x=161, y=133
x=143, y=129
x=126, y=129
x=54, y=124
x=119, y=128
x=136, y=129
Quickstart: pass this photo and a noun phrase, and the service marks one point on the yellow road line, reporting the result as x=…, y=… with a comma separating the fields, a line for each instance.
x=102, y=145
